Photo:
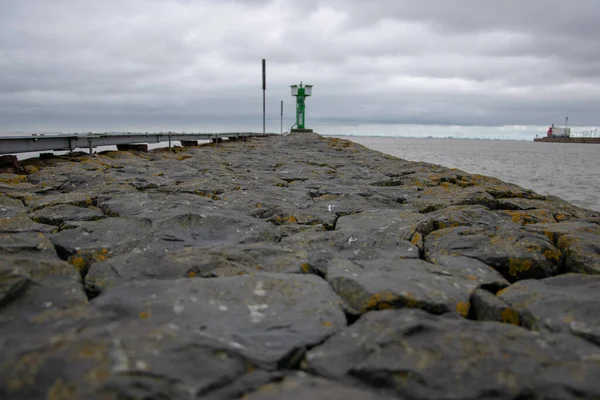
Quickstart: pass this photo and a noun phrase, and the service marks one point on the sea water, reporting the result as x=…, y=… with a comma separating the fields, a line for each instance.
x=570, y=171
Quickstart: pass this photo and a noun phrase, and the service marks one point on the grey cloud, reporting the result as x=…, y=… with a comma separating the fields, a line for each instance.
x=195, y=64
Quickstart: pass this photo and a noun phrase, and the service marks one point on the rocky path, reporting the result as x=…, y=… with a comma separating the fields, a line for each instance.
x=295, y=267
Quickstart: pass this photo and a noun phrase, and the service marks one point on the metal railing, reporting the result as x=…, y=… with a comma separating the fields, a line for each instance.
x=70, y=142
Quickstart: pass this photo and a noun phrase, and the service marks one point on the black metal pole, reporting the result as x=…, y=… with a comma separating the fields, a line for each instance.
x=281, y=128
x=264, y=86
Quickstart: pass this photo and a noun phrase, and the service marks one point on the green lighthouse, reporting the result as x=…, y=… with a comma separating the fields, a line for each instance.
x=301, y=92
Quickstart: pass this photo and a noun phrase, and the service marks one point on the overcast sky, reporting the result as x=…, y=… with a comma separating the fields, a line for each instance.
x=195, y=65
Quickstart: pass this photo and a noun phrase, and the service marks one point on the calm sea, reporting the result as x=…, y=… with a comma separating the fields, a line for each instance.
x=569, y=171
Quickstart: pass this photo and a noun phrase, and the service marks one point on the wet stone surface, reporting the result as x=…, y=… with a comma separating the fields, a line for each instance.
x=290, y=267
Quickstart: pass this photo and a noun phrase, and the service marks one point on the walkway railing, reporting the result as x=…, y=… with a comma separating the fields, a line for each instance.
x=69, y=142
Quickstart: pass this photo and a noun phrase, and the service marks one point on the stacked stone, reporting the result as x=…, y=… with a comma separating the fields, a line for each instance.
x=297, y=267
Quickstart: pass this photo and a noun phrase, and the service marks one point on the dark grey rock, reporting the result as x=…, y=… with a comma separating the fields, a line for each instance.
x=46, y=177
x=81, y=198
x=97, y=240
x=579, y=243
x=10, y=211
x=486, y=306
x=127, y=360
x=13, y=282
x=387, y=225
x=469, y=269
x=153, y=206
x=421, y=356
x=271, y=318
x=439, y=197
x=201, y=262
x=22, y=223
x=210, y=229
x=33, y=286
x=566, y=303
x=57, y=215
x=514, y=192
x=281, y=206
x=20, y=235
x=515, y=253
x=462, y=215
x=24, y=192
x=365, y=236
x=32, y=244
x=552, y=206
x=301, y=386
x=80, y=178
x=394, y=283
x=10, y=207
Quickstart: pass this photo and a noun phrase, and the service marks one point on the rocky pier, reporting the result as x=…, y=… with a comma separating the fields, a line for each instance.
x=296, y=267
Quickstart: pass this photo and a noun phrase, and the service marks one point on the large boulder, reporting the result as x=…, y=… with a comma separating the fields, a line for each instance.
x=61, y=213
x=10, y=207
x=394, y=283
x=566, y=303
x=300, y=386
x=96, y=241
x=20, y=235
x=579, y=242
x=514, y=252
x=201, y=262
x=30, y=287
x=366, y=236
x=271, y=318
x=153, y=206
x=421, y=356
x=125, y=360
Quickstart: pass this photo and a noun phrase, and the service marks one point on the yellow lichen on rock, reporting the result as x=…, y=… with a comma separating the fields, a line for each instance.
x=411, y=300
x=209, y=195
x=25, y=370
x=98, y=376
x=13, y=179
x=515, y=216
x=495, y=240
x=552, y=255
x=92, y=351
x=78, y=262
x=62, y=391
x=549, y=235
x=510, y=316
x=102, y=255
x=517, y=266
x=381, y=301
x=463, y=307
x=417, y=239
x=560, y=217
x=30, y=169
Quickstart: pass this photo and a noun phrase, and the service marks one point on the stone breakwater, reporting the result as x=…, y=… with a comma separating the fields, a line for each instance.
x=295, y=267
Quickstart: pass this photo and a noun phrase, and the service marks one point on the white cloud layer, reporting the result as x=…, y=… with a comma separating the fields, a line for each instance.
x=195, y=65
